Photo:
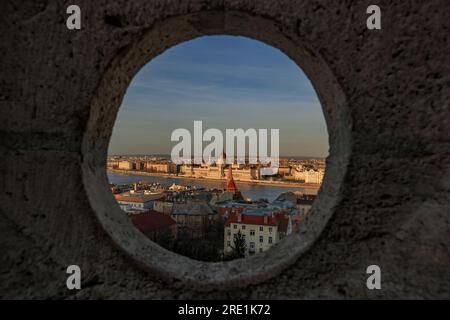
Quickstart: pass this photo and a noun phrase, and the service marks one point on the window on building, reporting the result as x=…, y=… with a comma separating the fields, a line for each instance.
x=261, y=228
x=229, y=232
x=270, y=229
x=270, y=239
x=252, y=245
x=261, y=239
x=235, y=226
x=243, y=227
x=252, y=232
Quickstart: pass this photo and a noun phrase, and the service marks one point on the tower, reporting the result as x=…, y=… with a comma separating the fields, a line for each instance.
x=222, y=163
x=231, y=186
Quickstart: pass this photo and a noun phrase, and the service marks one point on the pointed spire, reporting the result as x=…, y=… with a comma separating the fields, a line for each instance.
x=222, y=158
x=231, y=186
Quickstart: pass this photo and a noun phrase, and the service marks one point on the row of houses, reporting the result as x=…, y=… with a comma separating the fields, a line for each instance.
x=191, y=214
x=242, y=172
x=149, y=166
x=161, y=215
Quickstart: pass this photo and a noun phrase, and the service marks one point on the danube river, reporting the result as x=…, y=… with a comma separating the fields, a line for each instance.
x=249, y=190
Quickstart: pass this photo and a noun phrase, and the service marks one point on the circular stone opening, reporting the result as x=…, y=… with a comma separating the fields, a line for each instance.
x=104, y=108
x=203, y=210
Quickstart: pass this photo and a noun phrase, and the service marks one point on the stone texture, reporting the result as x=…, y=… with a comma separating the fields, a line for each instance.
x=386, y=198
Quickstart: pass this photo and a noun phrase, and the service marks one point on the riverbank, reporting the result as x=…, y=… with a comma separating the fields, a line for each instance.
x=249, y=182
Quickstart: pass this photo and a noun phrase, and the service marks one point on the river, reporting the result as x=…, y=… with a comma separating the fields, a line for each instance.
x=249, y=190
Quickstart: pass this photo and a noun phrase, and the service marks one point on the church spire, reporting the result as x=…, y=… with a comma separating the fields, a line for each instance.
x=231, y=186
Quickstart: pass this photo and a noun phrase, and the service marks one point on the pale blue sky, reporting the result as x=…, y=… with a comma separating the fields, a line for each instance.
x=227, y=82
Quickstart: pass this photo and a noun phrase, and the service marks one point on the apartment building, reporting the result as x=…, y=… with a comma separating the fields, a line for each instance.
x=261, y=229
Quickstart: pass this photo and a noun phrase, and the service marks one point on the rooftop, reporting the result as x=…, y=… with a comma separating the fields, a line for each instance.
x=277, y=220
x=139, y=196
x=193, y=208
x=151, y=221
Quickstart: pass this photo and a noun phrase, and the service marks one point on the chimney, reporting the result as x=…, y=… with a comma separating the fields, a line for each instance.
x=239, y=217
x=266, y=219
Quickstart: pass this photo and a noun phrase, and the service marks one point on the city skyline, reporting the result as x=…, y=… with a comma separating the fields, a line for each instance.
x=227, y=82
x=167, y=155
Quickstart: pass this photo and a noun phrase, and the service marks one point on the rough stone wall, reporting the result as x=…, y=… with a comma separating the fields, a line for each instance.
x=395, y=205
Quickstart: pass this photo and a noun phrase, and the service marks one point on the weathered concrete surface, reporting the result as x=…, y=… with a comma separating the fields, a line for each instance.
x=395, y=196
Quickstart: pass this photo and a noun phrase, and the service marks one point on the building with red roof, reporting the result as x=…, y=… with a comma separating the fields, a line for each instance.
x=261, y=229
x=157, y=226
